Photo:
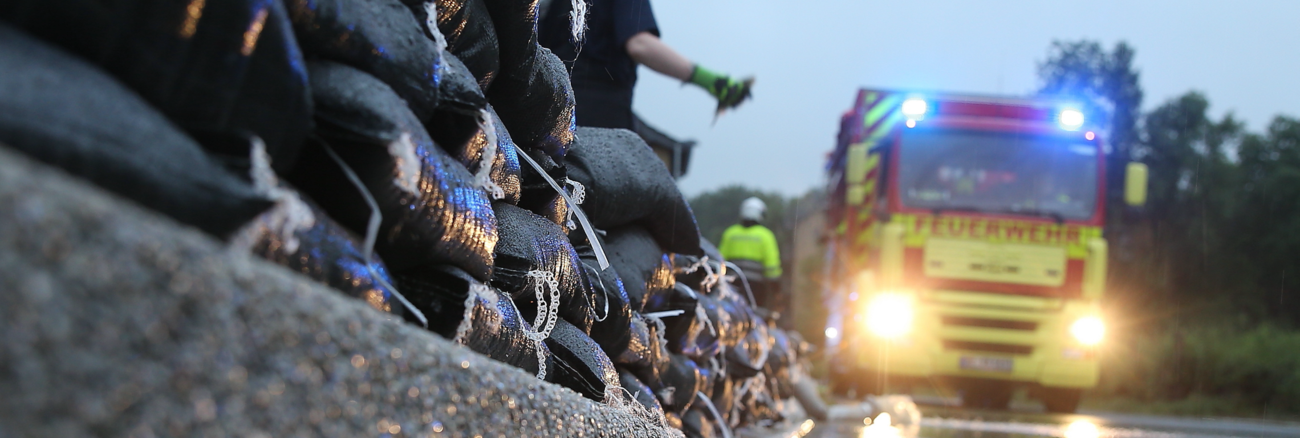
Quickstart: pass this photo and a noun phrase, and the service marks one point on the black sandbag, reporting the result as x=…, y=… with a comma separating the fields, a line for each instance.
x=467, y=28
x=65, y=112
x=536, y=193
x=698, y=422
x=646, y=354
x=709, y=340
x=682, y=331
x=747, y=358
x=683, y=375
x=515, y=22
x=537, y=103
x=580, y=364
x=734, y=314
x=237, y=69
x=530, y=243
x=433, y=212
x=380, y=37
x=781, y=356
x=645, y=269
x=299, y=236
x=609, y=302
x=700, y=273
x=455, y=121
x=629, y=184
x=494, y=327
x=723, y=396
x=640, y=393
x=505, y=171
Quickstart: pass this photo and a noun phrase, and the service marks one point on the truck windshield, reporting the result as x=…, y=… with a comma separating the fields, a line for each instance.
x=998, y=173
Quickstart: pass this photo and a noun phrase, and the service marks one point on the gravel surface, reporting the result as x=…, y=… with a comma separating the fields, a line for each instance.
x=118, y=322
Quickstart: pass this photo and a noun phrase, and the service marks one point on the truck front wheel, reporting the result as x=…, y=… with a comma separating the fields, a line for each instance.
x=1061, y=400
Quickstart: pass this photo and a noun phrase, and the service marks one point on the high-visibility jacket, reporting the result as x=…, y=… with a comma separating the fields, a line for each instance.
x=754, y=242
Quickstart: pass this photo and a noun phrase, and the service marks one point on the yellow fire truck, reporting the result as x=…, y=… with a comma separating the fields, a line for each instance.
x=966, y=248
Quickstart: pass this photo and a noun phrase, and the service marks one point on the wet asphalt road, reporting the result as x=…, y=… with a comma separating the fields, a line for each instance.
x=947, y=422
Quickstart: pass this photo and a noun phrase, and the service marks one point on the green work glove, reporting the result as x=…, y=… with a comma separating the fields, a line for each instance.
x=729, y=92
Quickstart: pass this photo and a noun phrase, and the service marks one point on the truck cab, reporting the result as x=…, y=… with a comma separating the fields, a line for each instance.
x=966, y=246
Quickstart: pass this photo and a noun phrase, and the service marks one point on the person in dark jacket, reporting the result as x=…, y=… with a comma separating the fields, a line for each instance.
x=619, y=36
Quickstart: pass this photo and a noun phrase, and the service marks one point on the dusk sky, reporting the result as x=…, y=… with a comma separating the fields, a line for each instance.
x=811, y=56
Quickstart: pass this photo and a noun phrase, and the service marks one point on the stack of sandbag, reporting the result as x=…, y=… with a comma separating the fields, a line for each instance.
x=419, y=156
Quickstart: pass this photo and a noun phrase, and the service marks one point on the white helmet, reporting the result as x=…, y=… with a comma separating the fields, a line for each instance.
x=753, y=209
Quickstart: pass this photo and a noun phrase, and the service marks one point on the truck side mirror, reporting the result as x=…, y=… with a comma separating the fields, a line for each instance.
x=1135, y=184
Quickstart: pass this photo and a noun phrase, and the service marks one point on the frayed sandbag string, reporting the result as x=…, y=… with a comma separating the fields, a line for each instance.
x=431, y=22
x=539, y=344
x=477, y=290
x=573, y=206
x=548, y=311
x=579, y=196
x=483, y=178
x=372, y=232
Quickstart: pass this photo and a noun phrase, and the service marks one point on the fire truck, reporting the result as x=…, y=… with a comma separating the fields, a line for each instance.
x=966, y=247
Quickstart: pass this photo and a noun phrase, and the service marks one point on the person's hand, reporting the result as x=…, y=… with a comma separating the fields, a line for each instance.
x=729, y=91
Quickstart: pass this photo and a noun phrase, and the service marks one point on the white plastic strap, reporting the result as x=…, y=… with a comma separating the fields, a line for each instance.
x=372, y=233
x=582, y=217
x=655, y=316
x=717, y=417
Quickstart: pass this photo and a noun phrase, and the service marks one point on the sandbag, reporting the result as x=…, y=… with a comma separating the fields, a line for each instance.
x=433, y=212
x=780, y=359
x=723, y=396
x=698, y=422
x=536, y=194
x=747, y=358
x=609, y=303
x=491, y=325
x=645, y=269
x=467, y=28
x=640, y=393
x=65, y=112
x=238, y=69
x=515, y=22
x=683, y=376
x=535, y=258
x=629, y=185
x=646, y=354
x=700, y=273
x=536, y=103
x=380, y=37
x=580, y=364
x=455, y=121
x=299, y=236
x=709, y=340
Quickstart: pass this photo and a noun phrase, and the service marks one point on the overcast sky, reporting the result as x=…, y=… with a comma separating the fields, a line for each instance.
x=810, y=57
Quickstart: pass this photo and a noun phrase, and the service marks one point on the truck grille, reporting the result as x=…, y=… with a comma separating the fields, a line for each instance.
x=989, y=323
x=988, y=347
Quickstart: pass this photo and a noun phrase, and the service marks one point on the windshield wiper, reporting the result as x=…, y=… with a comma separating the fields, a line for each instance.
x=1055, y=216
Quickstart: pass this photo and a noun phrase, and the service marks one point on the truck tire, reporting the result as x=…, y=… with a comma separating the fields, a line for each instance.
x=1061, y=400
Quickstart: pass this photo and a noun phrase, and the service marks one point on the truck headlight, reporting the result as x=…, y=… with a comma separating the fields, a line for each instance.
x=889, y=315
x=1088, y=330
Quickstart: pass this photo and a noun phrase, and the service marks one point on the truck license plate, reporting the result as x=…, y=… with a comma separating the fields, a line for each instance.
x=978, y=363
